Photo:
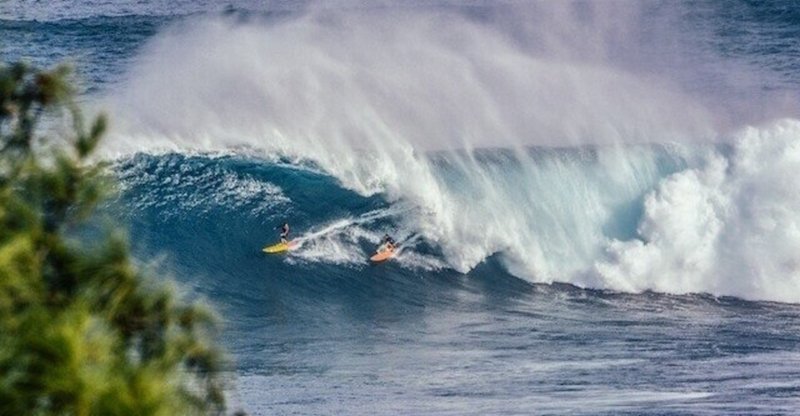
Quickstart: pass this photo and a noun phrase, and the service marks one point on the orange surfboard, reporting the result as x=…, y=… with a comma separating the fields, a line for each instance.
x=384, y=253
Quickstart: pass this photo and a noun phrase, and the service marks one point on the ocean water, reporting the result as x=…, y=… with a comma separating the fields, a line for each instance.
x=597, y=202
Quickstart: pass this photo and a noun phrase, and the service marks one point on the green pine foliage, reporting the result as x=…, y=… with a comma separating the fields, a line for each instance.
x=82, y=331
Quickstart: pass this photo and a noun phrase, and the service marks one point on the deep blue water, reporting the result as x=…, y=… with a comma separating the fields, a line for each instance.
x=541, y=323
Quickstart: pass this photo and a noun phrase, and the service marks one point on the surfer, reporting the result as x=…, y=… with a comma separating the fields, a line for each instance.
x=284, y=245
x=385, y=250
x=387, y=242
x=284, y=233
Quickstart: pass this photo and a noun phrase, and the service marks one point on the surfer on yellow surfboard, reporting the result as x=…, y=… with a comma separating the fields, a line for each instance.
x=284, y=243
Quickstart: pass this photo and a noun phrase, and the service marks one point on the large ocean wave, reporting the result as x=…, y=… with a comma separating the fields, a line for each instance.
x=717, y=219
x=561, y=164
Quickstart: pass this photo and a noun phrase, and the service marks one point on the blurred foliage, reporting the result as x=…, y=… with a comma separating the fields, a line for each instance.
x=82, y=332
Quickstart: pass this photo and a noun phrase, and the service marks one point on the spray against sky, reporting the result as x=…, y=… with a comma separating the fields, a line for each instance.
x=434, y=76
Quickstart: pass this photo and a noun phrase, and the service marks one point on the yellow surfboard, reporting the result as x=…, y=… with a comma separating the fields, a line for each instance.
x=280, y=247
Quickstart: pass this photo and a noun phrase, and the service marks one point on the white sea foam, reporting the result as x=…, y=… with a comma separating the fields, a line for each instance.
x=340, y=242
x=731, y=226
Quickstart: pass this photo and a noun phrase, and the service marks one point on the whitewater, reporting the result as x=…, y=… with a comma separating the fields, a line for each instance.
x=597, y=202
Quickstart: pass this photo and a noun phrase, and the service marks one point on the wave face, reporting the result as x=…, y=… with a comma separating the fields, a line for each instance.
x=715, y=219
